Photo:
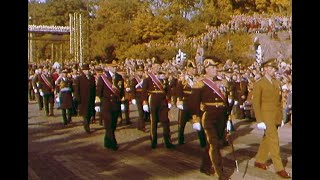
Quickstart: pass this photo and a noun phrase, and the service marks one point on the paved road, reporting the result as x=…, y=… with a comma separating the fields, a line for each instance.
x=61, y=152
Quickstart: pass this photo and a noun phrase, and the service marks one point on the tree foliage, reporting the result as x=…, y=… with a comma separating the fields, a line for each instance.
x=122, y=28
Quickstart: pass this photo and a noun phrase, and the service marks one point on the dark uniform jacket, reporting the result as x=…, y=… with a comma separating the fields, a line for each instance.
x=64, y=88
x=85, y=92
x=149, y=87
x=110, y=101
x=136, y=93
x=46, y=83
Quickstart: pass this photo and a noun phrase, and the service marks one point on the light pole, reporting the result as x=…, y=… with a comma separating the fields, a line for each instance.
x=30, y=46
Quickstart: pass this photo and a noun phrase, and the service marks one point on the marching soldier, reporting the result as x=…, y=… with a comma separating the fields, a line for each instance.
x=186, y=107
x=211, y=97
x=136, y=91
x=156, y=100
x=64, y=90
x=125, y=99
x=36, y=88
x=110, y=91
x=46, y=90
x=268, y=111
x=84, y=93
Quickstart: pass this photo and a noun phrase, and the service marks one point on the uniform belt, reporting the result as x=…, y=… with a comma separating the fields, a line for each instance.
x=217, y=104
x=138, y=90
x=156, y=92
x=187, y=92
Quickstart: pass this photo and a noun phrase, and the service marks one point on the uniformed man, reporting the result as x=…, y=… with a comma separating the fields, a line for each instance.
x=36, y=87
x=46, y=89
x=186, y=107
x=64, y=90
x=268, y=112
x=211, y=97
x=110, y=91
x=136, y=95
x=156, y=99
x=85, y=91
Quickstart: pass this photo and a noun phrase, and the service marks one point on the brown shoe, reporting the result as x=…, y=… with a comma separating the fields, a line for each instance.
x=283, y=174
x=260, y=165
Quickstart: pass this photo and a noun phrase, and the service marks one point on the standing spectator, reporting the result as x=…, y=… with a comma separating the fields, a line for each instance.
x=268, y=111
x=110, y=91
x=85, y=92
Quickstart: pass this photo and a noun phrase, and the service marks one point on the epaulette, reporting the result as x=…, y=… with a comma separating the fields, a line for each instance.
x=198, y=84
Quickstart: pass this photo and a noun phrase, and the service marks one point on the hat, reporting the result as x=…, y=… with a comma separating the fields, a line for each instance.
x=210, y=62
x=64, y=71
x=190, y=64
x=85, y=66
x=112, y=63
x=140, y=67
x=271, y=63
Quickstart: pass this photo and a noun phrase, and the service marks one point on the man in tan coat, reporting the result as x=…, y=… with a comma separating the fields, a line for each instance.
x=268, y=112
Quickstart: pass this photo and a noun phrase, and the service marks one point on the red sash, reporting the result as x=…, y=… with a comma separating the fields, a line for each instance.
x=156, y=81
x=44, y=78
x=138, y=79
x=109, y=84
x=214, y=87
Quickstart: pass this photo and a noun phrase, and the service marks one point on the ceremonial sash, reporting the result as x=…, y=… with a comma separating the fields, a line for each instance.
x=214, y=87
x=46, y=81
x=156, y=81
x=138, y=79
x=109, y=84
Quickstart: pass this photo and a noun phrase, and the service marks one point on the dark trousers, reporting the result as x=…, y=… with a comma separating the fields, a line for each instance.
x=126, y=111
x=110, y=125
x=48, y=100
x=159, y=113
x=211, y=122
x=39, y=100
x=183, y=117
x=141, y=119
x=31, y=94
x=66, y=115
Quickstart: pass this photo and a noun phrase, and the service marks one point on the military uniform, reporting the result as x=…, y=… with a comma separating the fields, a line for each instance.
x=215, y=108
x=183, y=90
x=157, y=98
x=110, y=90
x=64, y=89
x=268, y=109
x=36, y=89
x=136, y=94
x=47, y=87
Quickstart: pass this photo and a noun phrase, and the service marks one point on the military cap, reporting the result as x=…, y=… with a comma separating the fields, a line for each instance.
x=210, y=62
x=112, y=63
x=85, y=66
x=271, y=63
x=190, y=64
x=140, y=67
